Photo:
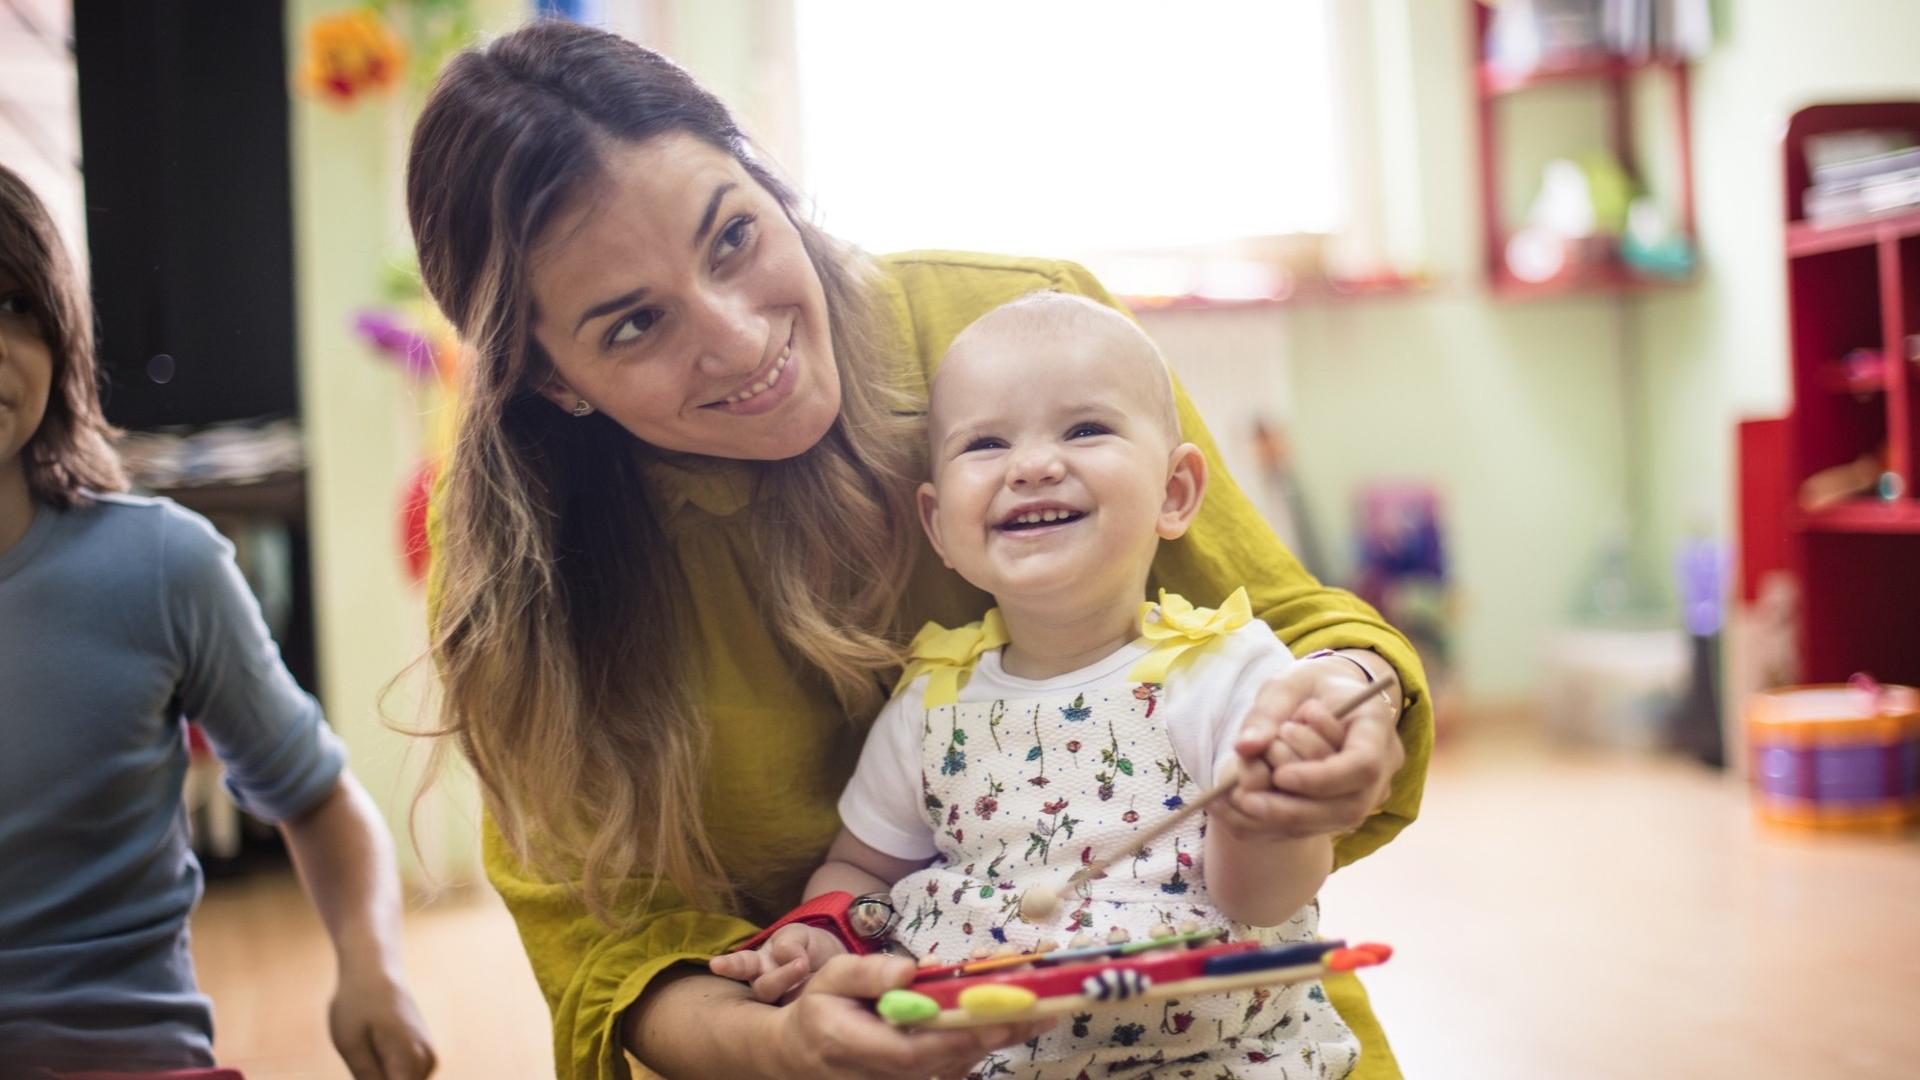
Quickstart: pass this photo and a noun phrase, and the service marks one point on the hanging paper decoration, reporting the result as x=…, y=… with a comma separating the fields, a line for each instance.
x=413, y=335
x=386, y=333
x=348, y=56
x=414, y=495
x=351, y=54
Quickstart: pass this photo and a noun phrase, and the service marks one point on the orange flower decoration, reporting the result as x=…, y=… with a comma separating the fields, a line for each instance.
x=350, y=54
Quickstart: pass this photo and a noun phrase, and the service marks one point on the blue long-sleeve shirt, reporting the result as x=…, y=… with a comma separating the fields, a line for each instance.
x=119, y=620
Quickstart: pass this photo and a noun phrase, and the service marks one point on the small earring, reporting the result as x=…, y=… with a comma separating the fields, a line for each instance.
x=581, y=407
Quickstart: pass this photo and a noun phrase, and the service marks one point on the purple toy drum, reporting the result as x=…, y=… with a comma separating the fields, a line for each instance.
x=1836, y=756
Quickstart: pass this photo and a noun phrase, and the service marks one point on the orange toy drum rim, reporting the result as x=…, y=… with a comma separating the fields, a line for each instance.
x=1891, y=815
x=1768, y=724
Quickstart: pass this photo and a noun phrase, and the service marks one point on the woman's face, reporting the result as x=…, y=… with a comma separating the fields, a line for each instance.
x=676, y=298
x=26, y=373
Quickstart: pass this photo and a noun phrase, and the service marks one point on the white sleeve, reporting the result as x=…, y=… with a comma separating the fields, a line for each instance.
x=882, y=804
x=1211, y=696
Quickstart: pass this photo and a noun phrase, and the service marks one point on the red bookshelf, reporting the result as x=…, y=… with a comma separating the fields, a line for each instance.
x=1853, y=284
x=1807, y=238
x=1613, y=76
x=1866, y=516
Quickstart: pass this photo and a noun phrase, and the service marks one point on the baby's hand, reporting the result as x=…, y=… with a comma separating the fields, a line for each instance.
x=1310, y=736
x=1262, y=747
x=779, y=967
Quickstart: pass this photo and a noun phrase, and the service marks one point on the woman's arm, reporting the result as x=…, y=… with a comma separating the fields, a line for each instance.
x=590, y=973
x=638, y=990
x=694, y=1025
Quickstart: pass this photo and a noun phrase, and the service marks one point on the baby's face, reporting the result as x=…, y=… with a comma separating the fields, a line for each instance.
x=1050, y=465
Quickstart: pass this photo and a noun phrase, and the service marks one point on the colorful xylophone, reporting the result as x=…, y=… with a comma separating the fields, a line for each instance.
x=1034, y=986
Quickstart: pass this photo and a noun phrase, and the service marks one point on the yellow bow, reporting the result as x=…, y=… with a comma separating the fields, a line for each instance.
x=947, y=657
x=1175, y=626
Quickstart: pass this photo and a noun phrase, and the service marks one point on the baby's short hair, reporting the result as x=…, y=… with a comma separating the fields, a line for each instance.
x=1045, y=312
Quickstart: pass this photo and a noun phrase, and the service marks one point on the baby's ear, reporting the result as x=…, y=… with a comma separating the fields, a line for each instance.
x=927, y=500
x=1186, y=487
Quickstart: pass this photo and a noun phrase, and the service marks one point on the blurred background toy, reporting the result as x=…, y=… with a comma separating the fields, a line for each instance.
x=1401, y=570
x=1836, y=756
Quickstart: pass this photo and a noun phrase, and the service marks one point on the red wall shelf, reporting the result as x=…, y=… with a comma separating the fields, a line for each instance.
x=1852, y=284
x=1866, y=516
x=1859, y=381
x=1808, y=238
x=1612, y=75
x=1610, y=276
x=1496, y=81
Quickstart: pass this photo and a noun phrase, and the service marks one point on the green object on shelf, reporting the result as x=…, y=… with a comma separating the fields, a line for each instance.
x=1610, y=189
x=906, y=1007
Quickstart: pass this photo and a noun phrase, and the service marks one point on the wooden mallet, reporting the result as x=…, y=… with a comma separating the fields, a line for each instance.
x=1040, y=903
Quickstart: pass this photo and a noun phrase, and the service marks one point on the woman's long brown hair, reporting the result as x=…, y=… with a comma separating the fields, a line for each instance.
x=561, y=618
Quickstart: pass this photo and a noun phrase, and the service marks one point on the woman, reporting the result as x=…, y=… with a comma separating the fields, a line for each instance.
x=676, y=553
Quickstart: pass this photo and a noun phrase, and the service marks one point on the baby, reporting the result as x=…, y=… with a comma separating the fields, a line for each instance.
x=1073, y=716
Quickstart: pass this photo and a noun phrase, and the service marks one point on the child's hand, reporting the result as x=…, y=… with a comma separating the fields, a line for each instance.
x=1313, y=734
x=377, y=1028
x=777, y=969
x=1249, y=812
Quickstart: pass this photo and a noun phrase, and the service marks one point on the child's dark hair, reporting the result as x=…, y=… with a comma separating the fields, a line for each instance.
x=72, y=451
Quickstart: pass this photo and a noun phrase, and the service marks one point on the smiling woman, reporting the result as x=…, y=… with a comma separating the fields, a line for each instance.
x=677, y=562
x=724, y=322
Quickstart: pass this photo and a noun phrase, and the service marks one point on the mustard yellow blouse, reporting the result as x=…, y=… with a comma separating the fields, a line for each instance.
x=780, y=751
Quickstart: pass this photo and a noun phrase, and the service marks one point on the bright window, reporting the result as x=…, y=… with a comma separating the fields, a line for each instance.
x=1068, y=127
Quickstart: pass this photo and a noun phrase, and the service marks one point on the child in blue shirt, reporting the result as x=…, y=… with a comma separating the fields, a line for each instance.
x=120, y=619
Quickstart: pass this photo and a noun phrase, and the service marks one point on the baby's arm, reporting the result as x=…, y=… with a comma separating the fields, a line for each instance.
x=854, y=866
x=1263, y=864
x=780, y=966
x=1258, y=871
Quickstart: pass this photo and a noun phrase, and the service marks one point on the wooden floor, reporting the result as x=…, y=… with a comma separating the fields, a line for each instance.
x=264, y=959
x=1554, y=915
x=1574, y=916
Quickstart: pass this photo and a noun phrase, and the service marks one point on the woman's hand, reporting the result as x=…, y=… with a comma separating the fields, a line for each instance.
x=830, y=1030
x=778, y=968
x=1303, y=773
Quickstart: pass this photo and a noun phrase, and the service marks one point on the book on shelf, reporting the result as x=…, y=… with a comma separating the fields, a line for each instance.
x=1861, y=172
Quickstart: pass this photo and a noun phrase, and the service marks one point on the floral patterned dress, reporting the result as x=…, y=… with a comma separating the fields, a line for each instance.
x=1023, y=792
